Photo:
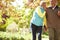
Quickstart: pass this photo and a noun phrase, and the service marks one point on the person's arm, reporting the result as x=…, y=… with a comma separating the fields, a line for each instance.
x=40, y=13
x=45, y=24
x=58, y=11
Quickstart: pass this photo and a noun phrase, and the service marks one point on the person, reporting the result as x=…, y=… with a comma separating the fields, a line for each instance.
x=53, y=20
x=37, y=20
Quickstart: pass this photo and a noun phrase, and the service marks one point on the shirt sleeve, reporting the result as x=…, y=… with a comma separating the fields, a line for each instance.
x=40, y=13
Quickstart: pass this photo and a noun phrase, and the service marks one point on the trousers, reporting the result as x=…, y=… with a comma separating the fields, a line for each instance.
x=36, y=30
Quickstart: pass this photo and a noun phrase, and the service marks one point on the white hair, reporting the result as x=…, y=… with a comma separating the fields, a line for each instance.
x=42, y=2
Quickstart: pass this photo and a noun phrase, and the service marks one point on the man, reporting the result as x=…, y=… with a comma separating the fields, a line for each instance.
x=53, y=20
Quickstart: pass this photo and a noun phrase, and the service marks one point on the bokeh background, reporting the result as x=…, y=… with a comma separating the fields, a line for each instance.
x=15, y=16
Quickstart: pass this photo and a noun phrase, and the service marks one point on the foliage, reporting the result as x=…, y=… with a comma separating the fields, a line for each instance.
x=9, y=36
x=21, y=15
x=25, y=20
x=59, y=2
x=17, y=36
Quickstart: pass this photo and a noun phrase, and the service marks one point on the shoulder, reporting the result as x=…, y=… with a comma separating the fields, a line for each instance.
x=49, y=7
x=58, y=7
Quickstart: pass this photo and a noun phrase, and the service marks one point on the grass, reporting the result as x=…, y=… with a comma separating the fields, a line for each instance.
x=9, y=36
x=19, y=36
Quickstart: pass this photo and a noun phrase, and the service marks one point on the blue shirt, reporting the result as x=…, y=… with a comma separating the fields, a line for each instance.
x=36, y=19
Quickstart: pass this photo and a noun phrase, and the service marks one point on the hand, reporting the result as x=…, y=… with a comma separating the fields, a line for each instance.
x=58, y=13
x=45, y=28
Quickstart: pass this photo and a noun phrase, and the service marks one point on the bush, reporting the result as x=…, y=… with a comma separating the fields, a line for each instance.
x=9, y=36
x=22, y=38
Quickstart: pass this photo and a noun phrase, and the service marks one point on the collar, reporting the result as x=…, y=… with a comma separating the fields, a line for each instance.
x=53, y=7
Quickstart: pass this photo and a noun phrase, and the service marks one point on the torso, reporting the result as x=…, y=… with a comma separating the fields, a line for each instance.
x=53, y=20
